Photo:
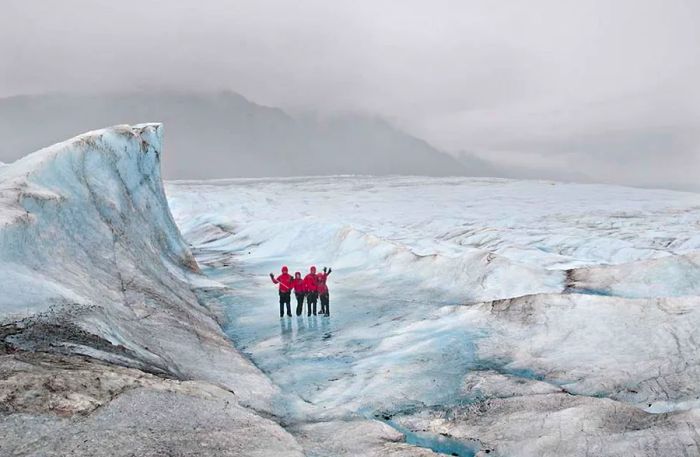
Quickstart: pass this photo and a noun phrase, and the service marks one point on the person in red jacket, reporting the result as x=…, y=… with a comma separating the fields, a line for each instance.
x=311, y=290
x=299, y=291
x=285, y=289
x=323, y=295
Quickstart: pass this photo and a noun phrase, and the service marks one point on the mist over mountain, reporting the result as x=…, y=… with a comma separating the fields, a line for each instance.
x=222, y=135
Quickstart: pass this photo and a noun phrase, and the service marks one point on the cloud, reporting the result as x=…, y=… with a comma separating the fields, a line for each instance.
x=494, y=78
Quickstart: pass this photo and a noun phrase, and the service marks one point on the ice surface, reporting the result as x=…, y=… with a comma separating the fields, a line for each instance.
x=639, y=351
x=526, y=421
x=467, y=315
x=570, y=301
x=672, y=276
x=96, y=278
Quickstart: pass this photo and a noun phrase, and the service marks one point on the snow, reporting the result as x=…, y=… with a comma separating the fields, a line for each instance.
x=579, y=296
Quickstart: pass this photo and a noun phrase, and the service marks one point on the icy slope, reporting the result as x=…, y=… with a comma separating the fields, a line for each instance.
x=665, y=277
x=99, y=295
x=645, y=350
x=577, y=374
x=529, y=418
x=540, y=223
x=467, y=308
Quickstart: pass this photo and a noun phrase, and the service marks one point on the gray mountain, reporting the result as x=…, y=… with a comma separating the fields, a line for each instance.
x=220, y=135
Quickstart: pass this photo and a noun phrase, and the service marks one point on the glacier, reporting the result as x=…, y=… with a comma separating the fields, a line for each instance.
x=469, y=316
x=107, y=345
x=474, y=316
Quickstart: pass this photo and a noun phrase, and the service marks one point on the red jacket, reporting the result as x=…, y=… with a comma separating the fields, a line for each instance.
x=285, y=282
x=298, y=285
x=321, y=283
x=310, y=283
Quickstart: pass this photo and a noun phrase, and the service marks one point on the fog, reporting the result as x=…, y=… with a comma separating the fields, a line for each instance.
x=598, y=89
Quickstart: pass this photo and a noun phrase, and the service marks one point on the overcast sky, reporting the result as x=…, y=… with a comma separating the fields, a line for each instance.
x=608, y=88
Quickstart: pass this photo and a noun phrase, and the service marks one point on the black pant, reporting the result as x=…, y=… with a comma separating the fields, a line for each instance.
x=300, y=302
x=325, y=304
x=311, y=298
x=285, y=299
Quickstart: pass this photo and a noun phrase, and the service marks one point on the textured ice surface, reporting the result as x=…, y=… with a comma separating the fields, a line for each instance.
x=523, y=419
x=467, y=315
x=100, y=315
x=671, y=276
x=570, y=301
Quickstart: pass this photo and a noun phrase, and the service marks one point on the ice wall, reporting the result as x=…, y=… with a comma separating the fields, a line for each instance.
x=107, y=345
x=92, y=263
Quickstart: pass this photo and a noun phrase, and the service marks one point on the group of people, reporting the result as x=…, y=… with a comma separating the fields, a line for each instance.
x=312, y=287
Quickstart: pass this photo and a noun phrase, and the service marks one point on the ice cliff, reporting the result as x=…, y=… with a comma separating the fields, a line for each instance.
x=107, y=343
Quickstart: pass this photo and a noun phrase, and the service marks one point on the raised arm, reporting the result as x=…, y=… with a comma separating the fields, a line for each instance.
x=273, y=278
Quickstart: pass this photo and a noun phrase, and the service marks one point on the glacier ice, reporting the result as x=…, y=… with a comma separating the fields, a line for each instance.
x=102, y=316
x=508, y=315
x=469, y=316
x=677, y=275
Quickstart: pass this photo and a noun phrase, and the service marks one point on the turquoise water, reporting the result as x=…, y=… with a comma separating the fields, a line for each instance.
x=437, y=443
